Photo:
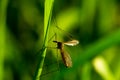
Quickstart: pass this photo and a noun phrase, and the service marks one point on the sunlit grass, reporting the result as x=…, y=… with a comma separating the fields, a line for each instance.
x=102, y=67
x=47, y=20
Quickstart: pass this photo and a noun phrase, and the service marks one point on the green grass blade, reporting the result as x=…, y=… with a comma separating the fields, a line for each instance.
x=102, y=68
x=3, y=6
x=47, y=20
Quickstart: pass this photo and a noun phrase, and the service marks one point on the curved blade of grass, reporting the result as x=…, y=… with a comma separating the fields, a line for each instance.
x=3, y=6
x=47, y=20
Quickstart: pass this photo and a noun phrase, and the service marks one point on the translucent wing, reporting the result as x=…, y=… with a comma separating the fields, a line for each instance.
x=72, y=43
x=66, y=58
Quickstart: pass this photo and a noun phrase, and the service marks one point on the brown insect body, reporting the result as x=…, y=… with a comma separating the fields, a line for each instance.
x=65, y=56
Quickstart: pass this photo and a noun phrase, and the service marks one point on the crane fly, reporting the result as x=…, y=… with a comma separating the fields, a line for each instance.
x=65, y=56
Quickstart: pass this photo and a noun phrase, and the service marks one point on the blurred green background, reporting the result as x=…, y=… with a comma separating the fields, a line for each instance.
x=95, y=23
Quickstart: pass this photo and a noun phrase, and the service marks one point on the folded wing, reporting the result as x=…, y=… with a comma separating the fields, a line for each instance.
x=66, y=58
x=72, y=43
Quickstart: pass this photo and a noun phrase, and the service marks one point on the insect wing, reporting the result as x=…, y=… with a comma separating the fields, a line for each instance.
x=66, y=58
x=72, y=43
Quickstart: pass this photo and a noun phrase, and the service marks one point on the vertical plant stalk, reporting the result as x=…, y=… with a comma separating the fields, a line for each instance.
x=3, y=6
x=47, y=20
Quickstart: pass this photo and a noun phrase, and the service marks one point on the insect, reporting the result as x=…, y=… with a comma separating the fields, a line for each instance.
x=60, y=46
x=65, y=56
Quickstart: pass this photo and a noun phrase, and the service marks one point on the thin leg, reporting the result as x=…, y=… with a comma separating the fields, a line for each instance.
x=57, y=54
x=52, y=47
x=46, y=47
x=66, y=33
x=58, y=61
x=51, y=37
